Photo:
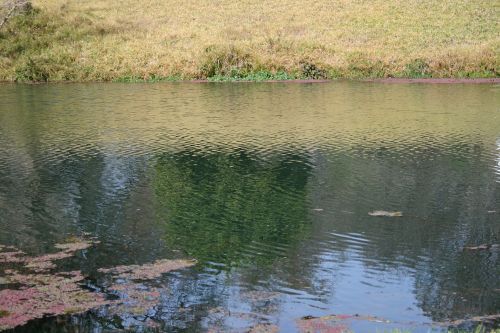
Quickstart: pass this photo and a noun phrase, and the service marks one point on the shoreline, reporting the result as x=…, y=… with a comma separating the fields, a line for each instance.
x=437, y=80
x=376, y=80
x=297, y=81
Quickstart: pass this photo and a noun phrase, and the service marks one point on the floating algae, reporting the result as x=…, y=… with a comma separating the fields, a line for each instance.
x=147, y=271
x=332, y=323
x=134, y=298
x=41, y=292
x=45, y=262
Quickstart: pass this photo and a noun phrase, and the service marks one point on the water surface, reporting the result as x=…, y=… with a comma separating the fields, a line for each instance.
x=269, y=187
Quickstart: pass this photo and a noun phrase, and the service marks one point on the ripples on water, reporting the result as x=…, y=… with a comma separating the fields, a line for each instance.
x=269, y=186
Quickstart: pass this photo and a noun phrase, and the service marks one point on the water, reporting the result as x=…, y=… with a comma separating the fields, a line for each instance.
x=269, y=187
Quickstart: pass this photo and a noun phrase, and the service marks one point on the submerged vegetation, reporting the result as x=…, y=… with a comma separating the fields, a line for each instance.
x=131, y=41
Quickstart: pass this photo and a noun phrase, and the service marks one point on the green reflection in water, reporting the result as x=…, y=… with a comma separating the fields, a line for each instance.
x=215, y=205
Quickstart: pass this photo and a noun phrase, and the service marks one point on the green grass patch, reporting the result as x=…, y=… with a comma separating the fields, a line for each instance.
x=417, y=68
x=34, y=45
x=258, y=76
x=149, y=79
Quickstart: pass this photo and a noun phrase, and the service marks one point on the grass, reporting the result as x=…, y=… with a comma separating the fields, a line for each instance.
x=150, y=79
x=257, y=76
x=153, y=40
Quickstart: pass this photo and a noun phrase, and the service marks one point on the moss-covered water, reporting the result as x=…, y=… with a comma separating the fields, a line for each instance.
x=271, y=188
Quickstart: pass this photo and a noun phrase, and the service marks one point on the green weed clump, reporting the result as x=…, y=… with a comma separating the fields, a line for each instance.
x=33, y=47
x=417, y=68
x=226, y=62
x=147, y=79
x=258, y=76
x=360, y=66
x=312, y=71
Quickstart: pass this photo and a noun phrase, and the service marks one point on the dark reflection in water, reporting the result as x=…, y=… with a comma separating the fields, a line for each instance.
x=218, y=207
x=269, y=187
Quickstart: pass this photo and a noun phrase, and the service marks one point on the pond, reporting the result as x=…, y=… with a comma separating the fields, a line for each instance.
x=269, y=187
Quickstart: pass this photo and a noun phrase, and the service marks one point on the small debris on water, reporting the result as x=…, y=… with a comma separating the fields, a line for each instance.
x=332, y=323
x=385, y=213
x=482, y=247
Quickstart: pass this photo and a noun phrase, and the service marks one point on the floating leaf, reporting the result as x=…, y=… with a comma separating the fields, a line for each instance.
x=482, y=247
x=385, y=213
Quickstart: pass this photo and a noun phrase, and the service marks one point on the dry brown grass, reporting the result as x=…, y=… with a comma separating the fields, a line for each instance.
x=200, y=38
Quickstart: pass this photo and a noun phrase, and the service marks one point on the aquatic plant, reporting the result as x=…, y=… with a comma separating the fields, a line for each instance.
x=147, y=271
x=49, y=295
x=40, y=293
x=332, y=323
x=136, y=300
x=12, y=256
x=321, y=326
x=45, y=262
x=44, y=294
x=341, y=323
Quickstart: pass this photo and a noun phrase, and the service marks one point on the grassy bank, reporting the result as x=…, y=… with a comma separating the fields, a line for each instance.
x=126, y=40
